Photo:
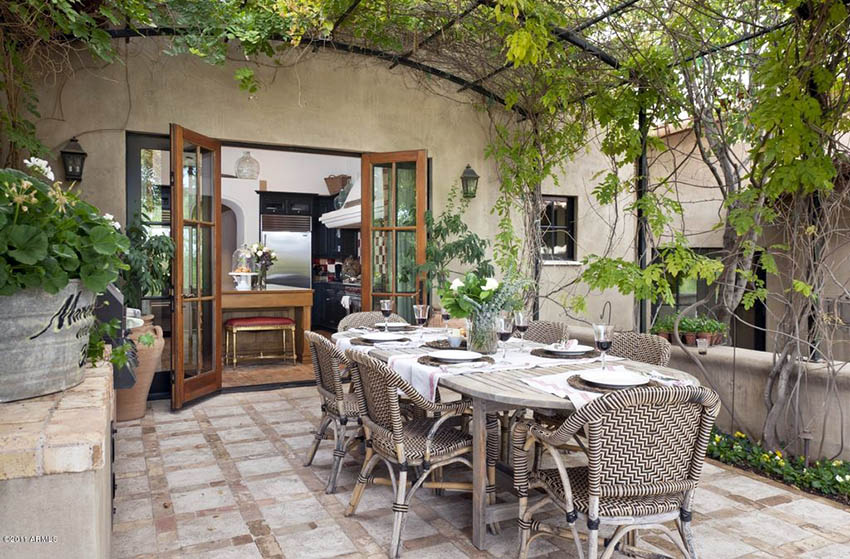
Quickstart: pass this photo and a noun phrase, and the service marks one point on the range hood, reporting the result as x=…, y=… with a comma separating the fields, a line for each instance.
x=348, y=216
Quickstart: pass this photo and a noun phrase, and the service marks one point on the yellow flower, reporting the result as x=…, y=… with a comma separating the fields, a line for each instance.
x=765, y=458
x=60, y=197
x=779, y=454
x=836, y=463
x=740, y=435
x=781, y=463
x=717, y=438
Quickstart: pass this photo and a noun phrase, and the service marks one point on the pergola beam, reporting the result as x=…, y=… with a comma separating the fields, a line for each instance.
x=443, y=28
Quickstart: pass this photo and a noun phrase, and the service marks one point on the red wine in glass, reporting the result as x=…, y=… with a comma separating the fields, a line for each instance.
x=523, y=328
x=386, y=313
x=603, y=345
x=504, y=336
x=421, y=321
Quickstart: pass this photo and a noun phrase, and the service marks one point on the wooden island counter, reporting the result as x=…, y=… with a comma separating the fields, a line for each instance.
x=295, y=302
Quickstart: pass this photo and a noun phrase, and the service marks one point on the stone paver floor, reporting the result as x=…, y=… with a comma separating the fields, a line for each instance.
x=224, y=480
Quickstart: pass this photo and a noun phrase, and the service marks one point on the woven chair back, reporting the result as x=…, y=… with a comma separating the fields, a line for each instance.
x=646, y=441
x=377, y=390
x=365, y=320
x=545, y=331
x=326, y=361
x=646, y=348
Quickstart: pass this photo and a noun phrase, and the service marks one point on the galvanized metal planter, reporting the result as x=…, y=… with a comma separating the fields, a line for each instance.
x=43, y=340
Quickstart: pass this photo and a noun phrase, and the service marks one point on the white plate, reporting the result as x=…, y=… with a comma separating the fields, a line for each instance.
x=454, y=355
x=575, y=350
x=382, y=337
x=391, y=325
x=614, y=378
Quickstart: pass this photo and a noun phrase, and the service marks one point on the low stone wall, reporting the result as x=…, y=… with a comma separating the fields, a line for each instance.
x=739, y=376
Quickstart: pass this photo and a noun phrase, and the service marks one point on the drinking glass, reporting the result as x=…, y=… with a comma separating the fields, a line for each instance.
x=420, y=313
x=505, y=329
x=386, y=310
x=445, y=315
x=602, y=335
x=521, y=323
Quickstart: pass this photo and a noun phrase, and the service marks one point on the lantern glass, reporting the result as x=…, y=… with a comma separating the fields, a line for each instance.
x=469, y=182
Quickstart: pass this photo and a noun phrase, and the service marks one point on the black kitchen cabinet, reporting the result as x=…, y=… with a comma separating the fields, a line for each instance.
x=327, y=305
x=331, y=243
x=286, y=203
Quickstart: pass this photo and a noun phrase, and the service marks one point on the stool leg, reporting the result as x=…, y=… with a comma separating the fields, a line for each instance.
x=235, y=347
x=283, y=340
x=294, y=354
x=226, y=344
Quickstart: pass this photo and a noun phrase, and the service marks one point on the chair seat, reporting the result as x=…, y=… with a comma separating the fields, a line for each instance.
x=608, y=506
x=259, y=321
x=348, y=407
x=447, y=441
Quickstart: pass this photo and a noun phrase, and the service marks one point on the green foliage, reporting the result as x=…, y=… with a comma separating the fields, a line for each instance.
x=828, y=477
x=450, y=241
x=148, y=259
x=98, y=334
x=49, y=236
x=475, y=294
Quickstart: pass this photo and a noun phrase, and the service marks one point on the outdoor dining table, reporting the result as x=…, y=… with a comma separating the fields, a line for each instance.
x=500, y=391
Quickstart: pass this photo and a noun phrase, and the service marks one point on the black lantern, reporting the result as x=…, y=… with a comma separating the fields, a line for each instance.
x=469, y=182
x=73, y=158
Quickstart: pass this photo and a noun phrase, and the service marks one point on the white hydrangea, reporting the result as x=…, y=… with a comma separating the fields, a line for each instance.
x=490, y=285
x=456, y=284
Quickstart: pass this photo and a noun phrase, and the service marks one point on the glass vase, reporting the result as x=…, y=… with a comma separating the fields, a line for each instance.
x=482, y=336
x=247, y=167
x=262, y=272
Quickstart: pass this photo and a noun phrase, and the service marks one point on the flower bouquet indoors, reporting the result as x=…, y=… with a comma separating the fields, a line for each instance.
x=263, y=258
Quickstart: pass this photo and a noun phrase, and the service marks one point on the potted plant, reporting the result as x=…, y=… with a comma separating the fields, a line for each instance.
x=688, y=327
x=148, y=271
x=663, y=326
x=56, y=253
x=480, y=299
x=711, y=330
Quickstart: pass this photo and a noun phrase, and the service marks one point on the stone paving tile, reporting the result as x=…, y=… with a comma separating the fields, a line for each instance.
x=224, y=479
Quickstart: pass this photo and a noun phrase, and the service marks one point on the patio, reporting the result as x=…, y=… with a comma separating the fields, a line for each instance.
x=223, y=479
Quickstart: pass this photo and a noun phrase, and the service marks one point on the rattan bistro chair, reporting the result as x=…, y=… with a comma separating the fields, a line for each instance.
x=423, y=445
x=338, y=407
x=646, y=348
x=646, y=448
x=545, y=331
x=365, y=320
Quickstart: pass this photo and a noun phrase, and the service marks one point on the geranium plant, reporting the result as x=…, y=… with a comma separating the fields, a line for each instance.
x=49, y=236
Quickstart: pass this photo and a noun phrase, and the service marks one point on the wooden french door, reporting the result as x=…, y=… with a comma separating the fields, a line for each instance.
x=392, y=228
x=196, y=215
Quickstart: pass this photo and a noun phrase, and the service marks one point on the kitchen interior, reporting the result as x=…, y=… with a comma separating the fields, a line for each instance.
x=305, y=207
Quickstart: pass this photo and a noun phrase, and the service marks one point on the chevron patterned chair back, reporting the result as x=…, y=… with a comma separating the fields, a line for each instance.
x=645, y=450
x=337, y=405
x=425, y=443
x=545, y=331
x=646, y=348
x=365, y=320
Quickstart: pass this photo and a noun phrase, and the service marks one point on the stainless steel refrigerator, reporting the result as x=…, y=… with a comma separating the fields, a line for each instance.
x=290, y=237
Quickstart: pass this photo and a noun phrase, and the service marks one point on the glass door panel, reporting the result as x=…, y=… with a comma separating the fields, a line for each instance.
x=393, y=221
x=197, y=191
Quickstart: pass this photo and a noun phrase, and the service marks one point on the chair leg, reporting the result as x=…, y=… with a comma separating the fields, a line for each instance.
x=687, y=535
x=494, y=437
x=524, y=527
x=368, y=463
x=592, y=543
x=339, y=453
x=399, y=514
x=320, y=434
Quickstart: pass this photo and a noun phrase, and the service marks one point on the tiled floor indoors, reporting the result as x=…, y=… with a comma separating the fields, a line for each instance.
x=250, y=373
x=223, y=480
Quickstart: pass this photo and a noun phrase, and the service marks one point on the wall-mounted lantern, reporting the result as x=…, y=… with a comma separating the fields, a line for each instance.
x=73, y=159
x=469, y=182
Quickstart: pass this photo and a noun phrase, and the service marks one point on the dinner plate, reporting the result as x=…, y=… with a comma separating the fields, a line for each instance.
x=391, y=325
x=382, y=337
x=575, y=350
x=613, y=378
x=454, y=355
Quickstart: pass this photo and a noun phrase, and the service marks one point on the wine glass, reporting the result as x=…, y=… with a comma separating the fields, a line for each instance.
x=445, y=315
x=521, y=323
x=602, y=334
x=420, y=313
x=505, y=329
x=386, y=310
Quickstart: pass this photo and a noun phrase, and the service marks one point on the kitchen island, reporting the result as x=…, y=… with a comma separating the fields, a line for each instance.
x=294, y=302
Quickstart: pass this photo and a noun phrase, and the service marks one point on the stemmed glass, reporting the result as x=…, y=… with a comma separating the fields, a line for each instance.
x=602, y=334
x=505, y=328
x=445, y=315
x=521, y=323
x=420, y=313
x=386, y=310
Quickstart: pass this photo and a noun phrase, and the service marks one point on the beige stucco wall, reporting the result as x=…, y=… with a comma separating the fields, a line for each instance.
x=327, y=100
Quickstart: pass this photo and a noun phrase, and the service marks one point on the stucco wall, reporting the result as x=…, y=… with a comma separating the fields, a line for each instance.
x=327, y=100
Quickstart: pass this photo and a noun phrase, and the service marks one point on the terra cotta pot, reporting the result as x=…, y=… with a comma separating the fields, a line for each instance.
x=132, y=402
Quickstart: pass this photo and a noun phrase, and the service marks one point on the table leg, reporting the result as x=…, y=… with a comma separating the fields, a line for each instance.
x=479, y=473
x=302, y=323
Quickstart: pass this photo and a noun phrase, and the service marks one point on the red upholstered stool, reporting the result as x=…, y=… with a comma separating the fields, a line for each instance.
x=259, y=324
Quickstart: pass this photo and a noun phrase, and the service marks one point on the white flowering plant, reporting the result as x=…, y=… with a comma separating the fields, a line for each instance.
x=49, y=236
x=472, y=294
